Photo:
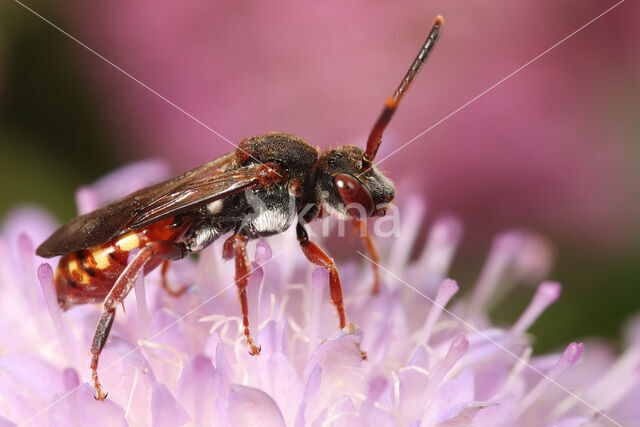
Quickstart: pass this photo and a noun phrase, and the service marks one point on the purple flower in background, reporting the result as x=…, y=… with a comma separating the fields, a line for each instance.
x=552, y=147
x=172, y=361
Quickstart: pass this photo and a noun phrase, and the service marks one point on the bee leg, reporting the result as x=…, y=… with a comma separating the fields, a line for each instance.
x=122, y=287
x=165, y=284
x=370, y=246
x=318, y=257
x=236, y=246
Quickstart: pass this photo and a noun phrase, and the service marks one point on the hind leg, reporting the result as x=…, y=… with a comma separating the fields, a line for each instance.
x=122, y=287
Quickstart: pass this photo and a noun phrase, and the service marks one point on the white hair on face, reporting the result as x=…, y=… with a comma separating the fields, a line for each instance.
x=338, y=211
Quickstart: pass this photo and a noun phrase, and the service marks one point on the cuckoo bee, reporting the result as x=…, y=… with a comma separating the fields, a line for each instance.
x=168, y=221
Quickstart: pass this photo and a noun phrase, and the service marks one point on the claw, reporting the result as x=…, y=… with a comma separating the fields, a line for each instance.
x=253, y=350
x=100, y=395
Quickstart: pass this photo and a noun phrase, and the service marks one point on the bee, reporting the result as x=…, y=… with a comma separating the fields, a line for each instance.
x=291, y=180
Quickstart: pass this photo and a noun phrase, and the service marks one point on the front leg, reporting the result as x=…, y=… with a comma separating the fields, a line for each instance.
x=360, y=227
x=176, y=293
x=318, y=257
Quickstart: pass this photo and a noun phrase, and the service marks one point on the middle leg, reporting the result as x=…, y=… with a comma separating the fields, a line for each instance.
x=236, y=246
x=165, y=283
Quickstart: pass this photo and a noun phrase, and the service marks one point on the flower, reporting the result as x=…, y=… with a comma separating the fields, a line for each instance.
x=172, y=361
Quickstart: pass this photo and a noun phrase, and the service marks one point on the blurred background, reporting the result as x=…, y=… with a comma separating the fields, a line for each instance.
x=553, y=149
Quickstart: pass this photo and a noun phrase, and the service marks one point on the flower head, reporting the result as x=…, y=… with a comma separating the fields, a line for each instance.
x=414, y=355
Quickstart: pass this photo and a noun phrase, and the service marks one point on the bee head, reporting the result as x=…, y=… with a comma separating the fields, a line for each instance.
x=346, y=189
x=348, y=183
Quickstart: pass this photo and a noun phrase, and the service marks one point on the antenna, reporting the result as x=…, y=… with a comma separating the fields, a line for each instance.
x=390, y=106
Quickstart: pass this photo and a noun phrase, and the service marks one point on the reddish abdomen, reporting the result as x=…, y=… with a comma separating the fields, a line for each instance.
x=88, y=275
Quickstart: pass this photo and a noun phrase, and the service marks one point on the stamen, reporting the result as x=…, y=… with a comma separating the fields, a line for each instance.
x=458, y=348
x=414, y=210
x=517, y=369
x=26, y=251
x=569, y=357
x=503, y=250
x=261, y=256
x=546, y=294
x=141, y=297
x=619, y=380
x=45, y=276
x=534, y=260
x=447, y=289
x=263, y=253
x=439, y=250
x=254, y=291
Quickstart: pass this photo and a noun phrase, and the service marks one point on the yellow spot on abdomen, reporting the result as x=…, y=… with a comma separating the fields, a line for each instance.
x=128, y=242
x=72, y=265
x=77, y=273
x=101, y=257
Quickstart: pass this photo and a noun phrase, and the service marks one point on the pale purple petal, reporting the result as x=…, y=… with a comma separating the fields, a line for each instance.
x=198, y=389
x=460, y=415
x=413, y=382
x=280, y=380
x=83, y=407
x=420, y=358
x=263, y=252
x=311, y=389
x=165, y=410
x=571, y=422
x=45, y=276
x=400, y=362
x=70, y=379
x=33, y=221
x=346, y=412
x=5, y=422
x=250, y=407
x=131, y=355
x=30, y=373
x=224, y=368
x=451, y=398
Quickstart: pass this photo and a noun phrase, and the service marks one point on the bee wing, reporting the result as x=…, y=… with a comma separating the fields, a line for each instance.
x=194, y=188
x=199, y=192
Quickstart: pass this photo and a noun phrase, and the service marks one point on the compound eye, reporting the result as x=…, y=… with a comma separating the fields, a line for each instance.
x=355, y=196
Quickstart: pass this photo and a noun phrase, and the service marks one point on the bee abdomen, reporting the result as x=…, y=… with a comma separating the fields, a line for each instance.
x=88, y=275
